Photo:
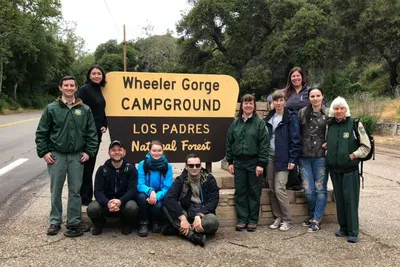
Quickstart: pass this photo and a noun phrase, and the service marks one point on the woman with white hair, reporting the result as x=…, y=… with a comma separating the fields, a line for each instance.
x=344, y=152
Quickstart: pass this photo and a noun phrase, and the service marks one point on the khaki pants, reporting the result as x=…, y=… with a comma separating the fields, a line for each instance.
x=279, y=198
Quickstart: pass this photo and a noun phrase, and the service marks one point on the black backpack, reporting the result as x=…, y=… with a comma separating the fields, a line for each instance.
x=371, y=153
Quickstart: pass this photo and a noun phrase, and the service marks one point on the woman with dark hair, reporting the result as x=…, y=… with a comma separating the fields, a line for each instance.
x=247, y=145
x=296, y=90
x=91, y=95
x=154, y=181
x=312, y=161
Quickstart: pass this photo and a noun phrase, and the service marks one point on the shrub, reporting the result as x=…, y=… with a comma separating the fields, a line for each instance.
x=364, y=104
x=25, y=102
x=370, y=123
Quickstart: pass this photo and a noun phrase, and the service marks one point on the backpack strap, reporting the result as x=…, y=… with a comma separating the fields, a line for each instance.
x=360, y=170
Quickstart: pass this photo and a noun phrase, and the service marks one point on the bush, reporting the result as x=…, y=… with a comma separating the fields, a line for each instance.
x=364, y=104
x=25, y=102
x=370, y=123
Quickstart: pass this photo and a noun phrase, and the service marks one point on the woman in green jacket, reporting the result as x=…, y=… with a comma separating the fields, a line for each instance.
x=247, y=144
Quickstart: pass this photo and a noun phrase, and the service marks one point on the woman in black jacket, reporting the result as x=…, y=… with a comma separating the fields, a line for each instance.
x=91, y=95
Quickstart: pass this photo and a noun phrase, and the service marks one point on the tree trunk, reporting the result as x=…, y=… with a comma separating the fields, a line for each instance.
x=393, y=77
x=1, y=73
x=15, y=90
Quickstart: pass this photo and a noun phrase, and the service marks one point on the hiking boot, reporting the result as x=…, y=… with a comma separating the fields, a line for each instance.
x=251, y=227
x=352, y=239
x=84, y=227
x=53, y=229
x=276, y=224
x=285, y=226
x=341, y=233
x=126, y=229
x=240, y=227
x=156, y=227
x=169, y=230
x=97, y=230
x=73, y=231
x=198, y=239
x=143, y=231
x=314, y=227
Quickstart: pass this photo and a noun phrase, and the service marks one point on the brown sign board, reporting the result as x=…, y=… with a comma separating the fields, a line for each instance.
x=188, y=113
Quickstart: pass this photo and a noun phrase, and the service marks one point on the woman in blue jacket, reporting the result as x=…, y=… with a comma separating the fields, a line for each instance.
x=285, y=147
x=154, y=180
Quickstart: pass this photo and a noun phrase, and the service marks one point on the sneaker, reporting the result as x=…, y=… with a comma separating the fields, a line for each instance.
x=352, y=239
x=341, y=233
x=156, y=227
x=314, y=227
x=53, y=229
x=169, y=230
x=240, y=227
x=285, y=226
x=307, y=223
x=251, y=227
x=198, y=239
x=97, y=230
x=276, y=224
x=143, y=231
x=73, y=232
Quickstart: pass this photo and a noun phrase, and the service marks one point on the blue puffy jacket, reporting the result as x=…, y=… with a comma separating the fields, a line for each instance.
x=154, y=181
x=287, y=139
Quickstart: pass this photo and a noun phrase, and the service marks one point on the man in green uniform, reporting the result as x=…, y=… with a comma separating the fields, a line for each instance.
x=247, y=144
x=344, y=152
x=66, y=137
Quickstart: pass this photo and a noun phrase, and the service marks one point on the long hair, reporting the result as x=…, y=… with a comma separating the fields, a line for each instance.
x=309, y=109
x=103, y=80
x=339, y=102
x=247, y=98
x=289, y=89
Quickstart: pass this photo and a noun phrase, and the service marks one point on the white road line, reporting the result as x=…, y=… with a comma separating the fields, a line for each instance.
x=12, y=165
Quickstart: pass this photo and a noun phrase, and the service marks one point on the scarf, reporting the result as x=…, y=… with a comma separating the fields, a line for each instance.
x=160, y=165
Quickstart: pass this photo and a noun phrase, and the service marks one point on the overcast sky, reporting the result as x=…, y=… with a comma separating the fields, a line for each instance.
x=95, y=24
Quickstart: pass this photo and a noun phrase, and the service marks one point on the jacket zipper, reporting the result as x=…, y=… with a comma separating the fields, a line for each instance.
x=116, y=184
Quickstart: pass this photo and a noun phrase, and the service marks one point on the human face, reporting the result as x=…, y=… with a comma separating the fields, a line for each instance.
x=340, y=112
x=248, y=108
x=68, y=89
x=156, y=152
x=116, y=153
x=316, y=98
x=296, y=79
x=279, y=104
x=195, y=170
x=96, y=76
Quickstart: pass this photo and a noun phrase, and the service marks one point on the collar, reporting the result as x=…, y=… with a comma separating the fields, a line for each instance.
x=66, y=103
x=245, y=119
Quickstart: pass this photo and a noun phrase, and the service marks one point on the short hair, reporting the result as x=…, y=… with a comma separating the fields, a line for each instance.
x=155, y=142
x=247, y=98
x=190, y=156
x=278, y=94
x=339, y=102
x=103, y=80
x=66, y=78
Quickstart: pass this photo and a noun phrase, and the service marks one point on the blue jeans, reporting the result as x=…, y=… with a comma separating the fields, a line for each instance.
x=315, y=179
x=149, y=212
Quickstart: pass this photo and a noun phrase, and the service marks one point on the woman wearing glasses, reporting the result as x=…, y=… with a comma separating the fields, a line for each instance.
x=154, y=180
x=247, y=144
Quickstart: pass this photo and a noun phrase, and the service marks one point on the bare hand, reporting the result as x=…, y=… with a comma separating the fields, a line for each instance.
x=152, y=200
x=113, y=205
x=197, y=224
x=85, y=157
x=291, y=166
x=103, y=129
x=259, y=170
x=49, y=158
x=184, y=227
x=352, y=156
x=324, y=145
x=231, y=169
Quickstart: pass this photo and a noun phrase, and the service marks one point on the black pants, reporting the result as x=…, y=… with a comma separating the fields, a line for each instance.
x=87, y=179
x=153, y=213
x=128, y=213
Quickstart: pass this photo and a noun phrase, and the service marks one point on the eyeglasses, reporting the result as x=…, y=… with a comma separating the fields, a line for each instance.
x=191, y=166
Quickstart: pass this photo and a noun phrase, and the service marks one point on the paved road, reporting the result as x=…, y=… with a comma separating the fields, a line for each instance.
x=17, y=146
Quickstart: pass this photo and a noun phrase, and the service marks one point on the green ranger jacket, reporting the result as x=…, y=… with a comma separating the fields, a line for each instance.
x=248, y=139
x=66, y=130
x=341, y=142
